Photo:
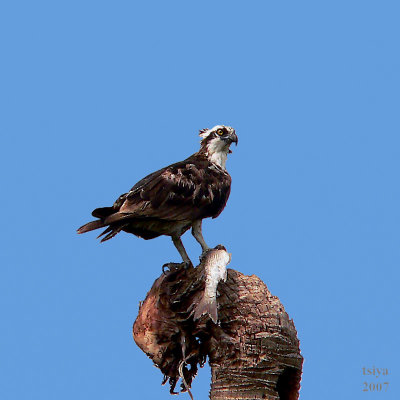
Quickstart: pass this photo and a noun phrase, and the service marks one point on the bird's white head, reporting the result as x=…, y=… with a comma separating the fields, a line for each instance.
x=215, y=143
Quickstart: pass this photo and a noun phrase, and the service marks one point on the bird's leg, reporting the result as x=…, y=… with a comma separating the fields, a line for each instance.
x=196, y=232
x=186, y=260
x=179, y=246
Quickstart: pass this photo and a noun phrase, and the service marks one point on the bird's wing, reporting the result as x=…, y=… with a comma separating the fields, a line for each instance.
x=187, y=190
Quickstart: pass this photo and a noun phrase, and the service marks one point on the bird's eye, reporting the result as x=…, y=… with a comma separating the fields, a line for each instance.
x=220, y=132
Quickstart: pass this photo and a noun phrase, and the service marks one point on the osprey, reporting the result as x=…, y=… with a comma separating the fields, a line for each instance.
x=175, y=198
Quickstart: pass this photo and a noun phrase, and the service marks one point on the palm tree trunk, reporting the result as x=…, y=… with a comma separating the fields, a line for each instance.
x=253, y=350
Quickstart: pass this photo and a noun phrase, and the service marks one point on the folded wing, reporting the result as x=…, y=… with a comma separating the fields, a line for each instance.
x=186, y=191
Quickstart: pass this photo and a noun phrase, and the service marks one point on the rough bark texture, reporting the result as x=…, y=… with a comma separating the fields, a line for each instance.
x=253, y=350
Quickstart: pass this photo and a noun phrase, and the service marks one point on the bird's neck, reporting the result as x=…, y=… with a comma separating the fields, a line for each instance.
x=218, y=158
x=215, y=153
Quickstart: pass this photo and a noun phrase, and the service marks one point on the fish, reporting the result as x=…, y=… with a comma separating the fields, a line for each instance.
x=215, y=262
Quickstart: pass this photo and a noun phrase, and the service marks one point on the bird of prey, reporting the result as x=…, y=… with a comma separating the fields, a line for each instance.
x=175, y=198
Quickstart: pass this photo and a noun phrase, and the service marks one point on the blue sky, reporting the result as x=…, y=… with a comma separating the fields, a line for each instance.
x=95, y=95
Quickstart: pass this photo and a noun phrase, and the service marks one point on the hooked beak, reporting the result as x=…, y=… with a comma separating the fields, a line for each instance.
x=234, y=138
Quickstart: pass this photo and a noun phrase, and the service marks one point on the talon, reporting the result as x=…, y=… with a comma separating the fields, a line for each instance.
x=173, y=267
x=170, y=267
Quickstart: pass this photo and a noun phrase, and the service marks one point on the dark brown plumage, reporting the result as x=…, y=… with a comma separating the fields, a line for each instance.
x=175, y=198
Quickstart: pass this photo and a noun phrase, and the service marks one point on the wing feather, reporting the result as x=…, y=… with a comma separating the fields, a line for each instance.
x=182, y=191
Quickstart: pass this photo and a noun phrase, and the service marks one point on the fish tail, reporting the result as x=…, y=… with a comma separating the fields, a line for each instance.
x=208, y=306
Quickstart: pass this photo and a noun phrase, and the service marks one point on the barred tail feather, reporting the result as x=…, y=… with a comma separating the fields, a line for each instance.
x=91, y=226
x=111, y=232
x=206, y=306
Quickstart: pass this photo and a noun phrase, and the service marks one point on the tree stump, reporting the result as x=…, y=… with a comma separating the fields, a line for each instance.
x=253, y=350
